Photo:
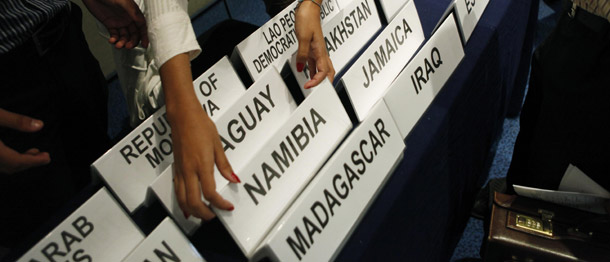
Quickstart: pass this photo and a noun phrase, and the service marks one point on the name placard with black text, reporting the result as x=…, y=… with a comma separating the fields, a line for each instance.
x=324, y=215
x=279, y=171
x=373, y=72
x=422, y=79
x=99, y=230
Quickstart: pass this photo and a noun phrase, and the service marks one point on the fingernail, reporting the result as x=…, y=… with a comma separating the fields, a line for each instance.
x=300, y=67
x=231, y=208
x=186, y=215
x=36, y=123
x=235, y=178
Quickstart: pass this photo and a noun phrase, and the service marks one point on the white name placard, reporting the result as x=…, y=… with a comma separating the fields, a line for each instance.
x=469, y=12
x=279, y=171
x=391, y=7
x=134, y=162
x=243, y=128
x=99, y=230
x=165, y=243
x=345, y=35
x=324, y=215
x=275, y=41
x=417, y=85
x=374, y=71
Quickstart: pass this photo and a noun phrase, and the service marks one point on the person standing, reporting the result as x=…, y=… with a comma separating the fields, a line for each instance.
x=566, y=115
x=53, y=106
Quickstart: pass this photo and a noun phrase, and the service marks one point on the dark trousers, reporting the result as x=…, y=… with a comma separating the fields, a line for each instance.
x=566, y=116
x=58, y=81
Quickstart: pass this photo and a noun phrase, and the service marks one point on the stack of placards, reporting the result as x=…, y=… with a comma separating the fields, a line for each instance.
x=369, y=77
x=345, y=35
x=284, y=165
x=417, y=85
x=99, y=230
x=243, y=128
x=275, y=41
x=324, y=215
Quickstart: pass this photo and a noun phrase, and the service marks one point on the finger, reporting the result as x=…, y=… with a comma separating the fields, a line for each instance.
x=331, y=71
x=143, y=35
x=123, y=37
x=222, y=163
x=180, y=191
x=302, y=53
x=19, y=122
x=114, y=35
x=32, y=151
x=134, y=37
x=208, y=187
x=313, y=67
x=12, y=162
x=193, y=198
x=318, y=77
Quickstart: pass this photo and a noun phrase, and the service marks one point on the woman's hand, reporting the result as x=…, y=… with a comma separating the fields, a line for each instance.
x=312, y=47
x=196, y=144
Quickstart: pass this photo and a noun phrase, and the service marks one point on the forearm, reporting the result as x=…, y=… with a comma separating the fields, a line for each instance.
x=177, y=83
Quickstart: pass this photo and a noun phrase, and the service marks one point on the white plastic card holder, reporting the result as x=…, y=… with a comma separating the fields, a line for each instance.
x=412, y=92
x=469, y=13
x=279, y=171
x=370, y=76
x=165, y=243
x=99, y=230
x=345, y=35
x=135, y=161
x=243, y=129
x=391, y=7
x=274, y=42
x=322, y=218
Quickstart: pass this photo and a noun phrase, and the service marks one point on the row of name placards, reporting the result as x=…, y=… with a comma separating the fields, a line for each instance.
x=133, y=164
x=292, y=203
x=100, y=230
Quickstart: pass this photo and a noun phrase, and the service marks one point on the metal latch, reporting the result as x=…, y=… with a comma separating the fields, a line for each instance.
x=542, y=225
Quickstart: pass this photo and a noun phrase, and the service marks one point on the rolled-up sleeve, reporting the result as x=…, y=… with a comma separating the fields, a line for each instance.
x=170, y=30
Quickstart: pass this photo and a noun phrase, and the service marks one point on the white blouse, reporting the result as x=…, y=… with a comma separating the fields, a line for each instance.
x=169, y=29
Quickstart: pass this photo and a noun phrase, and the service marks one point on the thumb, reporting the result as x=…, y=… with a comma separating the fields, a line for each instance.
x=302, y=54
x=19, y=122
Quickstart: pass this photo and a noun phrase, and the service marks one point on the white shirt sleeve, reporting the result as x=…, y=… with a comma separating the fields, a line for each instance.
x=170, y=30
